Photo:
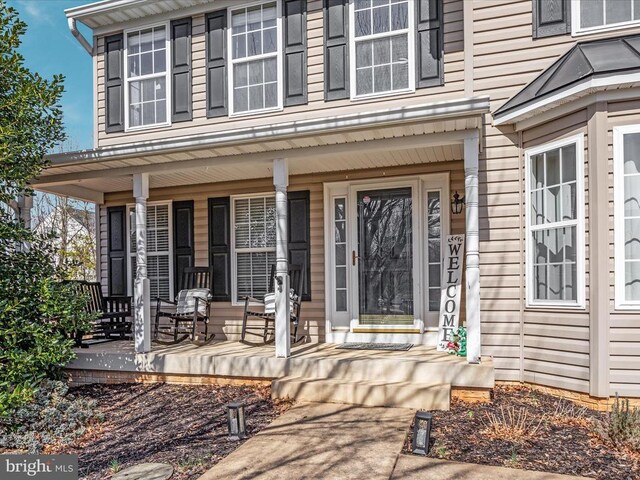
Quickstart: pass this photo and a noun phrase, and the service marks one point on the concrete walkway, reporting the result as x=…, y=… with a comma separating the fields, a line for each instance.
x=321, y=441
x=325, y=441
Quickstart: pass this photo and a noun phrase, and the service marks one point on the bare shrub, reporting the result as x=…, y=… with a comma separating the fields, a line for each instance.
x=621, y=427
x=512, y=424
x=568, y=413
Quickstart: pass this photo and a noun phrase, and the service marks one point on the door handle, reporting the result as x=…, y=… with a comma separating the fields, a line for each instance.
x=353, y=257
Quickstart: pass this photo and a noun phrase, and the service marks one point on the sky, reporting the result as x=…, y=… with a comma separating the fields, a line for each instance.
x=49, y=48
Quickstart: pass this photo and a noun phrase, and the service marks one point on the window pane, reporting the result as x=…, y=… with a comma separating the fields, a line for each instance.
x=269, y=15
x=254, y=17
x=341, y=254
x=148, y=113
x=632, y=153
x=160, y=85
x=159, y=39
x=569, y=202
x=270, y=95
x=636, y=9
x=537, y=171
x=148, y=94
x=133, y=43
x=541, y=250
x=591, y=13
x=146, y=63
x=135, y=115
x=269, y=40
x=240, y=75
x=341, y=277
x=239, y=21
x=134, y=65
x=632, y=281
x=400, y=76
x=364, y=81
x=339, y=210
x=553, y=167
x=340, y=232
x=239, y=46
x=381, y=19
x=400, y=48
x=146, y=40
x=382, y=78
x=160, y=61
x=434, y=275
x=363, y=23
x=556, y=282
x=540, y=282
x=256, y=98
x=571, y=281
x=434, y=250
x=341, y=301
x=161, y=111
x=363, y=54
x=399, y=16
x=552, y=203
x=256, y=73
x=617, y=11
x=434, y=299
x=270, y=70
x=569, y=163
x=241, y=99
x=381, y=51
x=632, y=239
x=632, y=195
x=134, y=92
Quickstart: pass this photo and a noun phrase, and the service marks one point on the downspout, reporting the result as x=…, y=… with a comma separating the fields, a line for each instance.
x=76, y=33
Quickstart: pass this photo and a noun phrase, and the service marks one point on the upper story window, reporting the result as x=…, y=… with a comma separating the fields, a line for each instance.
x=255, y=77
x=555, y=224
x=382, y=45
x=593, y=15
x=147, y=77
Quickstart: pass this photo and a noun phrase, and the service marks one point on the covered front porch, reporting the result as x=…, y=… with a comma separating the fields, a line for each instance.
x=408, y=161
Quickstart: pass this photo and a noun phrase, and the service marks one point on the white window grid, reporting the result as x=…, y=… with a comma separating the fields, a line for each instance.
x=140, y=78
x=621, y=301
x=268, y=250
x=340, y=245
x=161, y=286
x=576, y=24
x=277, y=55
x=577, y=223
x=353, y=41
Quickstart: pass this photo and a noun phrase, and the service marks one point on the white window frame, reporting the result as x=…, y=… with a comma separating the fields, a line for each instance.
x=235, y=301
x=576, y=30
x=410, y=31
x=131, y=256
x=579, y=223
x=621, y=302
x=167, y=75
x=278, y=57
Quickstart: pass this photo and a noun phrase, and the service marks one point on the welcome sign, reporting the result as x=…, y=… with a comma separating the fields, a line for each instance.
x=450, y=297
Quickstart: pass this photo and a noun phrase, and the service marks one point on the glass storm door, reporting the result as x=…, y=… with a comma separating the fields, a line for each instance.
x=385, y=257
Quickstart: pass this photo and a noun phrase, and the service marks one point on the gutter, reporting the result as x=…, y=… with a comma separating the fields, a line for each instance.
x=413, y=113
x=76, y=33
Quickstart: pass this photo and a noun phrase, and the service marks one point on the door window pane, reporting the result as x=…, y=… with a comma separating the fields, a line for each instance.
x=340, y=244
x=434, y=252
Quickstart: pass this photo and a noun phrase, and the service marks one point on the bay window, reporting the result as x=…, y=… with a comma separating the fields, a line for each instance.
x=555, y=224
x=382, y=46
x=254, y=245
x=626, y=151
x=255, y=79
x=147, y=77
x=592, y=15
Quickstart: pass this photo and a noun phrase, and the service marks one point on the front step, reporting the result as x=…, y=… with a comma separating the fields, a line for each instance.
x=415, y=395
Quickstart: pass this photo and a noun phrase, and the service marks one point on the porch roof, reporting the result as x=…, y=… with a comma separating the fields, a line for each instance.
x=394, y=136
x=594, y=66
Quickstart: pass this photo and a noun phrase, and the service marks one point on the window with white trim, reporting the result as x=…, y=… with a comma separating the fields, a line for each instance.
x=147, y=77
x=254, y=245
x=254, y=41
x=627, y=215
x=555, y=225
x=604, y=14
x=159, y=254
x=382, y=46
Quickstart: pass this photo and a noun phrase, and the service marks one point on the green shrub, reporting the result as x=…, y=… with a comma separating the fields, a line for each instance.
x=54, y=416
x=622, y=425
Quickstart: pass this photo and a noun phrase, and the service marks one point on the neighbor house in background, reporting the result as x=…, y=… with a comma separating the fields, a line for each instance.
x=355, y=122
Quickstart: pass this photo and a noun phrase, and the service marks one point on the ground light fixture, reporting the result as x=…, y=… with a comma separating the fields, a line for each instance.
x=421, y=432
x=457, y=203
x=236, y=421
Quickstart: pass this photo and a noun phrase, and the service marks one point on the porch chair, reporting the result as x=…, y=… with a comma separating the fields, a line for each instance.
x=265, y=309
x=192, y=308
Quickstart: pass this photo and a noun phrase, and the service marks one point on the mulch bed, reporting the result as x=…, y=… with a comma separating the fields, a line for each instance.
x=184, y=425
x=565, y=441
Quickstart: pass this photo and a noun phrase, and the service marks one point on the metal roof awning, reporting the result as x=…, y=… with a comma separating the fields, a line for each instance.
x=587, y=68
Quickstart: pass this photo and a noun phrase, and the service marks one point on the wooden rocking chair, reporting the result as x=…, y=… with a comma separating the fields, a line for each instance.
x=267, y=330
x=193, y=306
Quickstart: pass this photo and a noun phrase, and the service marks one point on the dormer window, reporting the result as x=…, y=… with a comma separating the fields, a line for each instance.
x=255, y=77
x=147, y=77
x=382, y=46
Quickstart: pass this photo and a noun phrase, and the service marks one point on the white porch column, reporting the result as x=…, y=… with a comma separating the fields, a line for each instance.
x=141, y=293
x=281, y=182
x=472, y=256
x=25, y=203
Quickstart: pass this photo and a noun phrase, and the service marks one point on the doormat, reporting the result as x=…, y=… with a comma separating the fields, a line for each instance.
x=396, y=347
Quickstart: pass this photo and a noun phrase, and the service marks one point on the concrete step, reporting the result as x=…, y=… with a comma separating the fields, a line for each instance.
x=414, y=395
x=437, y=370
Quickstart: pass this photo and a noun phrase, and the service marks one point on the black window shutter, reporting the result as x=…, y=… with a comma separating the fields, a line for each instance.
x=216, y=48
x=117, y=250
x=295, y=52
x=429, y=43
x=220, y=248
x=181, y=70
x=182, y=240
x=336, y=49
x=114, y=82
x=299, y=244
x=551, y=18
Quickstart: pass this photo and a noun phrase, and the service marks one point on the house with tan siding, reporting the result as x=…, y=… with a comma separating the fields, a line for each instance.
x=353, y=137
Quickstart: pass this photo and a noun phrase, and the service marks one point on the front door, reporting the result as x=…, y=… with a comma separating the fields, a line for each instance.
x=385, y=257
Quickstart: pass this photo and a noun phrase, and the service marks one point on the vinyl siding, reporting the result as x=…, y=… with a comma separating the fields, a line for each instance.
x=624, y=331
x=453, y=87
x=227, y=318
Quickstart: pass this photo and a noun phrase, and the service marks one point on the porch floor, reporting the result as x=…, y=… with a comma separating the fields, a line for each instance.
x=316, y=360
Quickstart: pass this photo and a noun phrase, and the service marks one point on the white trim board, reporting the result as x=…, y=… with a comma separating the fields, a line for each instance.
x=618, y=208
x=578, y=140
